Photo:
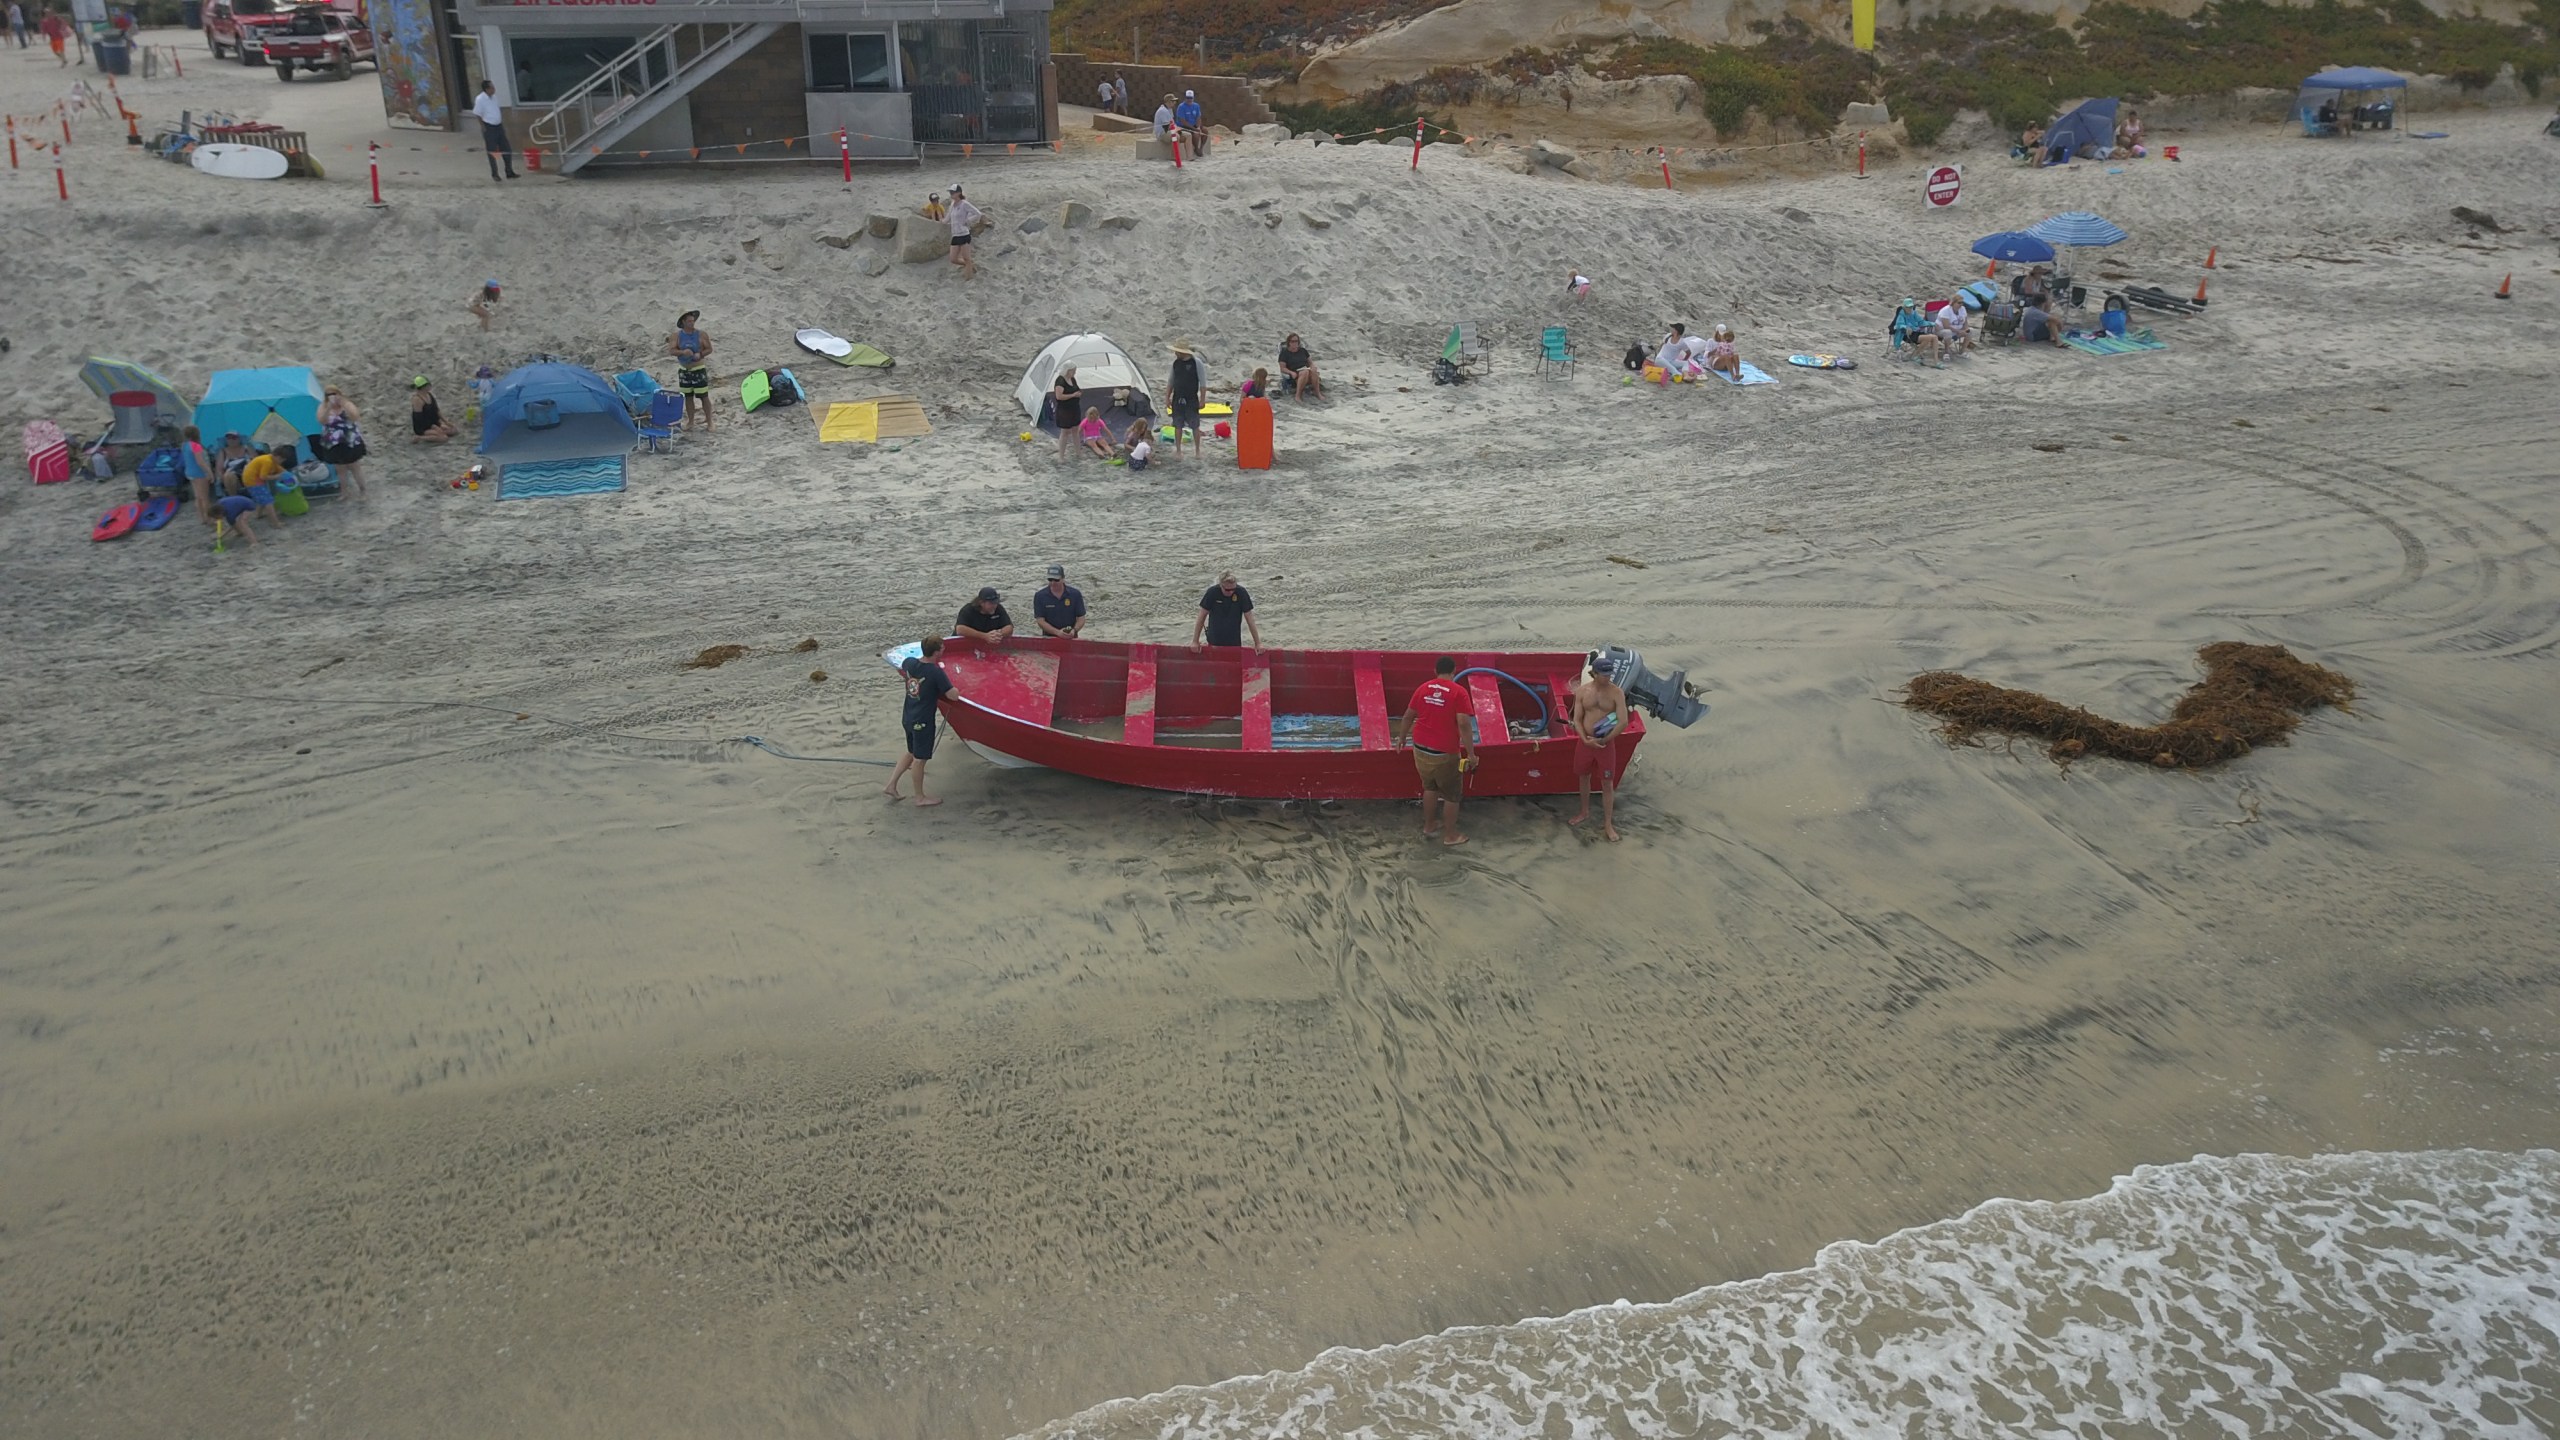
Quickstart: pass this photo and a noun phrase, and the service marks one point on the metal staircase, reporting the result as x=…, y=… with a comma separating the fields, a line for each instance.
x=620, y=98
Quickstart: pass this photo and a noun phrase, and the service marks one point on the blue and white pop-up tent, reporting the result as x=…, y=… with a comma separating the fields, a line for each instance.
x=555, y=429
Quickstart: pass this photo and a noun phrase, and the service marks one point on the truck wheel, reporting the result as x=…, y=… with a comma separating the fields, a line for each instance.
x=213, y=45
x=252, y=57
x=344, y=67
x=284, y=72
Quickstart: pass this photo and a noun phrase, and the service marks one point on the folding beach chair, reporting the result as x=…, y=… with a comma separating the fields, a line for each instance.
x=1554, y=350
x=658, y=427
x=1466, y=349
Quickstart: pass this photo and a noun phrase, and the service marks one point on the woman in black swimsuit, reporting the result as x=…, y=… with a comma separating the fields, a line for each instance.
x=1299, y=369
x=427, y=424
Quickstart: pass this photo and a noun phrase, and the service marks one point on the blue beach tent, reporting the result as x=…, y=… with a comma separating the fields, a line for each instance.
x=2091, y=124
x=242, y=400
x=555, y=429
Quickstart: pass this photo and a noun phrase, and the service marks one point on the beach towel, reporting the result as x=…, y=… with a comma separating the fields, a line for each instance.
x=1822, y=362
x=2095, y=344
x=1751, y=375
x=891, y=417
x=841, y=350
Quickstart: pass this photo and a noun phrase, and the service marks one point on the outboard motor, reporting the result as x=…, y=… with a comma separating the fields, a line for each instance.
x=1670, y=697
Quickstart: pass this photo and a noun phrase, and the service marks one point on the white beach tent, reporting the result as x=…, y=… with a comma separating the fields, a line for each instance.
x=1100, y=366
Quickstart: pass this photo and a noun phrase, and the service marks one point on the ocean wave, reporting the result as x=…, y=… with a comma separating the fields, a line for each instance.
x=2383, y=1295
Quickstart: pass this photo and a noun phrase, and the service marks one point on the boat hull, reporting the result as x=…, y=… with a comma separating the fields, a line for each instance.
x=1203, y=722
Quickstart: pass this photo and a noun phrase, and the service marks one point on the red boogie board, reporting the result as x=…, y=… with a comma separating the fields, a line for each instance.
x=1253, y=433
x=117, y=523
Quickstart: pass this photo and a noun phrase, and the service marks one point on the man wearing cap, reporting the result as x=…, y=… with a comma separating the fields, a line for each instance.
x=1599, y=712
x=493, y=129
x=1187, y=115
x=1226, y=612
x=984, y=619
x=1440, y=724
x=1058, y=607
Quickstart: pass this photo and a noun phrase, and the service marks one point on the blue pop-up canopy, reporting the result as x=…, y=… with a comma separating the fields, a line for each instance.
x=2356, y=77
x=242, y=400
x=2091, y=123
x=554, y=411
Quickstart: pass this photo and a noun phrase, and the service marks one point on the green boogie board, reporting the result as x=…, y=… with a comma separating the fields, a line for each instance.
x=755, y=390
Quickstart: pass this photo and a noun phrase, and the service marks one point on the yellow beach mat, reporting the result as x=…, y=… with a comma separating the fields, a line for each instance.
x=891, y=417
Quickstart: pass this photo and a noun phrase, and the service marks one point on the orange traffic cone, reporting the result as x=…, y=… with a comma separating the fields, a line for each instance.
x=2209, y=253
x=2200, y=284
x=2506, y=287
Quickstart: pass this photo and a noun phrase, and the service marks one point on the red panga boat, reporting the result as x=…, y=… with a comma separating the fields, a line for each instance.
x=1267, y=724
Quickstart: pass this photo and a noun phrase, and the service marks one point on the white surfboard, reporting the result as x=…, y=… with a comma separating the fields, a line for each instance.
x=239, y=162
x=819, y=342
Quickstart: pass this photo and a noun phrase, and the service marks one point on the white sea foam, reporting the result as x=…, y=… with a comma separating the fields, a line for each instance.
x=2395, y=1296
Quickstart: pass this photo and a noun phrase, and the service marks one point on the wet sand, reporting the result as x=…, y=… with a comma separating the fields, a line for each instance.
x=585, y=1075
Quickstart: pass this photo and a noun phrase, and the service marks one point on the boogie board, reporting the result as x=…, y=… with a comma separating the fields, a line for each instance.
x=239, y=162
x=117, y=523
x=1253, y=433
x=1822, y=362
x=156, y=512
x=754, y=390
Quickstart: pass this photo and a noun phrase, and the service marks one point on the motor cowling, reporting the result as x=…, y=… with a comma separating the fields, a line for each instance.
x=1668, y=698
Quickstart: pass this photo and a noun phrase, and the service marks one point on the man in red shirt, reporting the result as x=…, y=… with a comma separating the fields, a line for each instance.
x=1440, y=724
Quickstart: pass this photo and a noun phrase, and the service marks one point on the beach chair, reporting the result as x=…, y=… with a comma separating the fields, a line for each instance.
x=658, y=427
x=1466, y=349
x=2319, y=121
x=1555, y=350
x=2000, y=320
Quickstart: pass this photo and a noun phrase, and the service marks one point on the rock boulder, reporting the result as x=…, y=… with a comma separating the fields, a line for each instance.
x=920, y=239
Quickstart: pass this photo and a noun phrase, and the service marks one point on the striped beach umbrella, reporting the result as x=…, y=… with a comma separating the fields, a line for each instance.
x=2077, y=227
x=106, y=377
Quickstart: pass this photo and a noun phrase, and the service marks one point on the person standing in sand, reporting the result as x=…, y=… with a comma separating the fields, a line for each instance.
x=341, y=438
x=692, y=350
x=17, y=24
x=1599, y=713
x=1182, y=391
x=1066, y=406
x=493, y=129
x=1226, y=612
x=1058, y=607
x=1439, y=723
x=927, y=682
x=964, y=222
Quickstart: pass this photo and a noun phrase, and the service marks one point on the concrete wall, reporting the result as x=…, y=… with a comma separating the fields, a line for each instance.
x=757, y=96
x=1224, y=99
x=887, y=115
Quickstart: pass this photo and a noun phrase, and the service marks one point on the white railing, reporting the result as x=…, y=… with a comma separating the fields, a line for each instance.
x=612, y=92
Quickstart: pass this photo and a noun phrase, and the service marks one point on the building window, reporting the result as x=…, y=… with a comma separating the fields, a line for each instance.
x=550, y=66
x=842, y=63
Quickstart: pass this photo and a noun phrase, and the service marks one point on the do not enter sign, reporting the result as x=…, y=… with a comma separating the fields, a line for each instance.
x=1944, y=185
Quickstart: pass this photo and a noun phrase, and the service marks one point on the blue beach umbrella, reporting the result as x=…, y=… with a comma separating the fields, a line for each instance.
x=2015, y=245
x=2077, y=227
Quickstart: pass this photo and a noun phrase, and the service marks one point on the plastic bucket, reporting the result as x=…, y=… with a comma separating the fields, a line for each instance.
x=289, y=499
x=2112, y=322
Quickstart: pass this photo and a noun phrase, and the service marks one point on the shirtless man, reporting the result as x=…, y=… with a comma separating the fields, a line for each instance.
x=1599, y=713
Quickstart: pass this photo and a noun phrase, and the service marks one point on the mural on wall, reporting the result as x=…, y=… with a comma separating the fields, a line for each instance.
x=415, y=86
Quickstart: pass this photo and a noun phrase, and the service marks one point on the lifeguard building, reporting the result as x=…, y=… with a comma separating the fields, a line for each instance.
x=636, y=82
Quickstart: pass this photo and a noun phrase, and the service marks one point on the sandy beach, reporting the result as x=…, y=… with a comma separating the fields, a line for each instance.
x=422, y=1018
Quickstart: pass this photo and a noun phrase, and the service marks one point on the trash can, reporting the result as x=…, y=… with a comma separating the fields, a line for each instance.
x=2112, y=322
x=114, y=57
x=191, y=14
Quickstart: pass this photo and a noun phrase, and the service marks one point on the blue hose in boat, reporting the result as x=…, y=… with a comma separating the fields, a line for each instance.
x=1545, y=720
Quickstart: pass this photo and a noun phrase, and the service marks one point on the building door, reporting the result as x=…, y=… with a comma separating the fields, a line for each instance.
x=1010, y=65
